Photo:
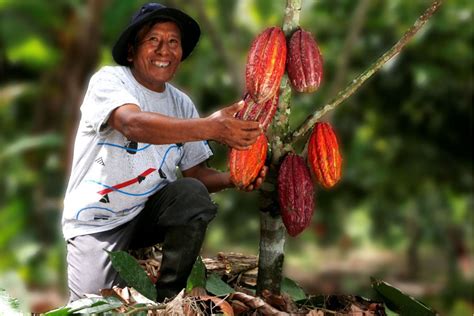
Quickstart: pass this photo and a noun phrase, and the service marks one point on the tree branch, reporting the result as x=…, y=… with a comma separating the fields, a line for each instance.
x=357, y=82
x=358, y=20
x=223, y=52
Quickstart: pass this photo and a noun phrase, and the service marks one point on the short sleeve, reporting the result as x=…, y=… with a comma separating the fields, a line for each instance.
x=194, y=152
x=106, y=92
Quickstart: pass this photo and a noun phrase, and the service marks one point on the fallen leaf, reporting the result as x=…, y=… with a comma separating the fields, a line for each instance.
x=224, y=306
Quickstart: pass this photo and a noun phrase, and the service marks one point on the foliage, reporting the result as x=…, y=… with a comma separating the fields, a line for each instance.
x=197, y=278
x=231, y=301
x=406, y=135
x=400, y=302
x=131, y=272
x=217, y=287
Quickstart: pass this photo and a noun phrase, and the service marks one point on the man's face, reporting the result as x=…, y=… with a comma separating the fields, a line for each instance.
x=157, y=56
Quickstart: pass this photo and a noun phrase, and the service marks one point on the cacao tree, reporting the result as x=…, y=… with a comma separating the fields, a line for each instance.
x=285, y=191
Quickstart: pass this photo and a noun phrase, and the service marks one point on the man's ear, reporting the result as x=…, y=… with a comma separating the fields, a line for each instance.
x=130, y=53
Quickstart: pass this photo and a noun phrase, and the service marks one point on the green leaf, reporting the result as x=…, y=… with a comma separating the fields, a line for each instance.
x=132, y=273
x=313, y=301
x=87, y=305
x=8, y=305
x=216, y=286
x=197, y=277
x=29, y=143
x=76, y=306
x=112, y=303
x=62, y=311
x=399, y=302
x=291, y=288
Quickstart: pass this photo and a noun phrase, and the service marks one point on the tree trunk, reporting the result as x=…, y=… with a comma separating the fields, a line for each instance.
x=272, y=231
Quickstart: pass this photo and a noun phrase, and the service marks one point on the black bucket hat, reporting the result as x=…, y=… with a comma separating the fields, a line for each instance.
x=190, y=30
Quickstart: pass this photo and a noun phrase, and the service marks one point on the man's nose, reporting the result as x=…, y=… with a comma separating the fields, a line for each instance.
x=162, y=48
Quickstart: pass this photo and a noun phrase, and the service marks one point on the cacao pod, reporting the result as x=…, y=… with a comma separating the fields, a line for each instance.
x=265, y=64
x=295, y=194
x=305, y=63
x=263, y=112
x=245, y=165
x=323, y=155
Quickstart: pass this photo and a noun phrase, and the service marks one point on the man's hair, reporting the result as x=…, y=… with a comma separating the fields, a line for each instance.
x=140, y=34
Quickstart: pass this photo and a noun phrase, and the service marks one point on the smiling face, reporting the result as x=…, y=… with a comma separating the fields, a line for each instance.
x=156, y=58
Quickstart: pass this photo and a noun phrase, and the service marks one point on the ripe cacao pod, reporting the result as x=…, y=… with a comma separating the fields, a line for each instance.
x=305, y=63
x=295, y=194
x=263, y=112
x=323, y=155
x=245, y=165
x=265, y=64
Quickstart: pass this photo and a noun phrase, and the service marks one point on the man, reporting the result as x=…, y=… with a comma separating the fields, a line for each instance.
x=135, y=130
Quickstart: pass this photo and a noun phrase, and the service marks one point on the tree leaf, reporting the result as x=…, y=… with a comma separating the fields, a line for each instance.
x=399, y=302
x=291, y=288
x=61, y=311
x=84, y=303
x=101, y=307
x=216, y=286
x=197, y=277
x=132, y=273
x=8, y=305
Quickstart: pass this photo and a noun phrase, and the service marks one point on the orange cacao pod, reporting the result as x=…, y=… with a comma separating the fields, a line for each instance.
x=265, y=64
x=305, y=63
x=263, y=112
x=245, y=165
x=295, y=194
x=323, y=155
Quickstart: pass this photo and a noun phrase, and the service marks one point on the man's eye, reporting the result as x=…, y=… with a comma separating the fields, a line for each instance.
x=153, y=39
x=174, y=41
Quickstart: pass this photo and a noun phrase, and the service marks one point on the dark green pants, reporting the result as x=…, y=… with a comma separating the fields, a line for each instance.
x=183, y=204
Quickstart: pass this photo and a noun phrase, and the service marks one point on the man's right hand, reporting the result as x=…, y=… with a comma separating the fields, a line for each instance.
x=226, y=129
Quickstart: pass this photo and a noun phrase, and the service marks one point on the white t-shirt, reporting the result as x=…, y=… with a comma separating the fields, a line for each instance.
x=112, y=177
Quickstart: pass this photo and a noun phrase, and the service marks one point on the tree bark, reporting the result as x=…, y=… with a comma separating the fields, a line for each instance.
x=272, y=231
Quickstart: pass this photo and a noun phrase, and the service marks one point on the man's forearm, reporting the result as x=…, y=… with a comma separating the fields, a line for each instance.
x=214, y=180
x=154, y=128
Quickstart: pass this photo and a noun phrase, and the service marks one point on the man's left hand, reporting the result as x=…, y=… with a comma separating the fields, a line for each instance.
x=258, y=181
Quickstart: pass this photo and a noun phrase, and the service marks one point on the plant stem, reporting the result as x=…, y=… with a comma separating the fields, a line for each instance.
x=359, y=80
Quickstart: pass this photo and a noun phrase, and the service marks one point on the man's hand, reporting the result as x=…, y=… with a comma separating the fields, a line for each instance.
x=226, y=129
x=257, y=183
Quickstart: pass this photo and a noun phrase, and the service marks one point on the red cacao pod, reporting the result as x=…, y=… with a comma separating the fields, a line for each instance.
x=295, y=194
x=265, y=64
x=323, y=155
x=305, y=63
x=263, y=112
x=245, y=165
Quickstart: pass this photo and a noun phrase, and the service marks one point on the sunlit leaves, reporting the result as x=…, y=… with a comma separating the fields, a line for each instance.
x=32, y=52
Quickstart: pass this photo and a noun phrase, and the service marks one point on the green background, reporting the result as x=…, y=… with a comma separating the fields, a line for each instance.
x=403, y=210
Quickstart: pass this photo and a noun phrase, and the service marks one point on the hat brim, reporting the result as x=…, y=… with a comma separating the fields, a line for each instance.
x=190, y=33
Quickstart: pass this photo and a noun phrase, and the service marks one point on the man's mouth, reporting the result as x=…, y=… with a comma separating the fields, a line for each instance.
x=161, y=64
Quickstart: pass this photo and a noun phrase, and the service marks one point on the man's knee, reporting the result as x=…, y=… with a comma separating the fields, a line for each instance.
x=192, y=186
x=195, y=199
